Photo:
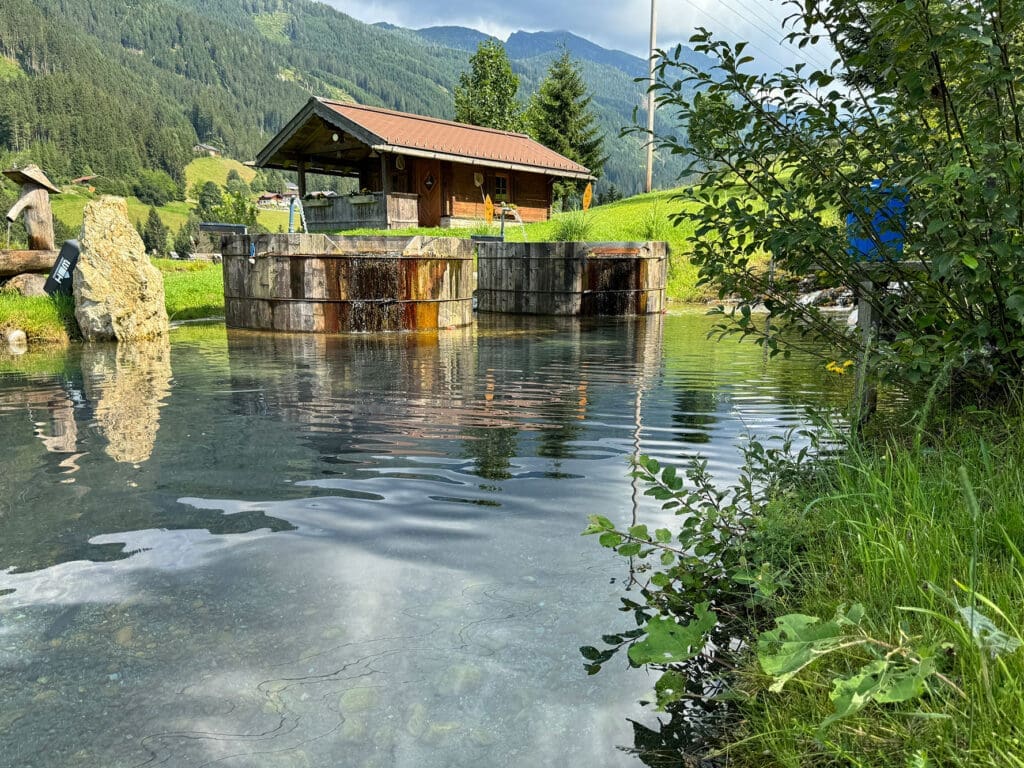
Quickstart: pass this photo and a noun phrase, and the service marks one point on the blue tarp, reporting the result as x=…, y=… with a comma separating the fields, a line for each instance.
x=886, y=211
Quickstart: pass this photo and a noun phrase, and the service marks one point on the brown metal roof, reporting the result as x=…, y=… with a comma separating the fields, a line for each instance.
x=387, y=131
x=400, y=130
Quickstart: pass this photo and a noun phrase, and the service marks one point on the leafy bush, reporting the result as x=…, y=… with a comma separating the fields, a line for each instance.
x=156, y=188
x=923, y=102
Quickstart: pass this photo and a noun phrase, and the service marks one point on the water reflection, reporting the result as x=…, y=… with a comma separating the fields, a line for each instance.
x=359, y=550
x=127, y=385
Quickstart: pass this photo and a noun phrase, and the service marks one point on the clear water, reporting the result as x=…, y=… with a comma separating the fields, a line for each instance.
x=257, y=550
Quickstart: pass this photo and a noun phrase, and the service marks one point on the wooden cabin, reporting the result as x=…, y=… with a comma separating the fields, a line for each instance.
x=413, y=170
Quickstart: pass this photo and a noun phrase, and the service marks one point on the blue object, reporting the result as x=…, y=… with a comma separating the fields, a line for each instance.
x=885, y=208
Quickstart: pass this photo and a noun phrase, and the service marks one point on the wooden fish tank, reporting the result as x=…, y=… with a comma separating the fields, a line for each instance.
x=335, y=284
x=574, y=279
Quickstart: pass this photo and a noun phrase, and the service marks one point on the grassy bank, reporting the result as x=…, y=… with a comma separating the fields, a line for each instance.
x=192, y=289
x=896, y=528
x=44, y=320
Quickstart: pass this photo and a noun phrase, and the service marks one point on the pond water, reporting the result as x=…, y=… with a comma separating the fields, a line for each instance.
x=256, y=550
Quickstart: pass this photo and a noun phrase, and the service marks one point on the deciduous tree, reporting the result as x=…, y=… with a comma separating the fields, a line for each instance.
x=487, y=94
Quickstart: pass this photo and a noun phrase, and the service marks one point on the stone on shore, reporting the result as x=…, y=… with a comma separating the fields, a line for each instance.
x=119, y=294
x=27, y=284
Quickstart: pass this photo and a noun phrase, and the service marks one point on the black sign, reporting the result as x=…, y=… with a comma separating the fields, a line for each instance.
x=62, y=272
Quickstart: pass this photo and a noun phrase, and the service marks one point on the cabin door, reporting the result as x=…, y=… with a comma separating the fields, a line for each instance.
x=428, y=187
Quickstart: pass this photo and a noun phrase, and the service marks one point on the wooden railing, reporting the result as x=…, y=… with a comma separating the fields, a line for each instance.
x=374, y=210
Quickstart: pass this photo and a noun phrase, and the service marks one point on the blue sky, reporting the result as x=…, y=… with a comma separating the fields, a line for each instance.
x=624, y=25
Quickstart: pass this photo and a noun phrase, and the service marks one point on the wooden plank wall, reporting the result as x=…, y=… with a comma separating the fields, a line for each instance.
x=530, y=192
x=332, y=284
x=578, y=279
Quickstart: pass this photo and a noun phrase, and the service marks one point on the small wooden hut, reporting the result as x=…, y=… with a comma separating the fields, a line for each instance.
x=413, y=170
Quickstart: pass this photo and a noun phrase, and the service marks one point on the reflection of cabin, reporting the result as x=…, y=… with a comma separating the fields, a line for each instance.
x=418, y=170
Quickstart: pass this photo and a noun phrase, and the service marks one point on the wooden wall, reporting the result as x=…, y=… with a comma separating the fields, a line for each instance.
x=584, y=279
x=530, y=192
x=332, y=284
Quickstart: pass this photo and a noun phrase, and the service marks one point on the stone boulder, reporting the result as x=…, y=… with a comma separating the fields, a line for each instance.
x=119, y=294
x=27, y=284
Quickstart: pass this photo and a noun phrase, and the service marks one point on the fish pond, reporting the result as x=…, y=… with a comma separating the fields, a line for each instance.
x=245, y=549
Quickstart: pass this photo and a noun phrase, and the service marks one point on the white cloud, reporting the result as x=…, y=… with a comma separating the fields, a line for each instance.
x=622, y=25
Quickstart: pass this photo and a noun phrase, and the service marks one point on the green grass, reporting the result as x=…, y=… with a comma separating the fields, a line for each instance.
x=891, y=526
x=192, y=289
x=215, y=169
x=44, y=320
x=68, y=207
x=272, y=26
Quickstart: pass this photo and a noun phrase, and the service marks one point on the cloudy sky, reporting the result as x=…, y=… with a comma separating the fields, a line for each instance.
x=623, y=24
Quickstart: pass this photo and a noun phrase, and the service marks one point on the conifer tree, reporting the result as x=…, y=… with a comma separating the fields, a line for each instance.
x=154, y=234
x=561, y=119
x=486, y=95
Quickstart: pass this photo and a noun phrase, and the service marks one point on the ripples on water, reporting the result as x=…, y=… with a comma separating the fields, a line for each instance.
x=260, y=550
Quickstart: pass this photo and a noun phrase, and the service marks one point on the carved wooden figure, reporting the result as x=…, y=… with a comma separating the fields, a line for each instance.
x=34, y=203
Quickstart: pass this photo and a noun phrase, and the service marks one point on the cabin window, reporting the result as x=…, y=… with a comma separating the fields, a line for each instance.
x=501, y=188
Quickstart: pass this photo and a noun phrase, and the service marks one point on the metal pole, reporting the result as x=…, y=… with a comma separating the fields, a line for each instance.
x=650, y=101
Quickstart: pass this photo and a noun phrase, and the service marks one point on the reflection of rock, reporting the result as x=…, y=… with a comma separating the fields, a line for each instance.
x=128, y=383
x=27, y=284
x=119, y=294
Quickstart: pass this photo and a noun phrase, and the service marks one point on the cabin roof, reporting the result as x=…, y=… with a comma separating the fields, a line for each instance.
x=309, y=138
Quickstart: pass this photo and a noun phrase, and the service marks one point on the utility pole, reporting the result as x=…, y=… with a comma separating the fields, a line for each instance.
x=650, y=100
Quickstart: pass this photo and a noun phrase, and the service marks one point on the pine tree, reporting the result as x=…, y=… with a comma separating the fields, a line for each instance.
x=154, y=234
x=561, y=119
x=486, y=95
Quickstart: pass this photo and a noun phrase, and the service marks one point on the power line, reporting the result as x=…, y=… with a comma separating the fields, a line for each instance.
x=801, y=54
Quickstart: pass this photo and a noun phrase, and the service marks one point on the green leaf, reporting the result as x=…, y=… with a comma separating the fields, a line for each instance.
x=639, y=532
x=609, y=539
x=881, y=681
x=667, y=558
x=668, y=642
x=670, y=688
x=598, y=524
x=663, y=535
x=630, y=549
x=969, y=261
x=797, y=641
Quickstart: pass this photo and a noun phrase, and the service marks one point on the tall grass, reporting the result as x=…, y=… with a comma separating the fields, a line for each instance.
x=921, y=536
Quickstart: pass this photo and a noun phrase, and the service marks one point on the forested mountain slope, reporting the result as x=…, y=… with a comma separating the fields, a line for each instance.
x=110, y=87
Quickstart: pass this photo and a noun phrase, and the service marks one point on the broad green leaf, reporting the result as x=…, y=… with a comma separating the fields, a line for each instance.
x=663, y=535
x=639, y=532
x=668, y=642
x=671, y=687
x=881, y=681
x=798, y=640
x=609, y=539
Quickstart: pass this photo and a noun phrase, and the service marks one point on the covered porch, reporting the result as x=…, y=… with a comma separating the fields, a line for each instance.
x=412, y=170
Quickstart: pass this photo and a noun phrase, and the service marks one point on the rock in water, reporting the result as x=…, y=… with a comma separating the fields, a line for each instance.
x=119, y=294
x=27, y=284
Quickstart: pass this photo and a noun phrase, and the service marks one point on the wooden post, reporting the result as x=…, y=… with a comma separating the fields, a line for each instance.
x=385, y=187
x=35, y=204
x=302, y=181
x=867, y=322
